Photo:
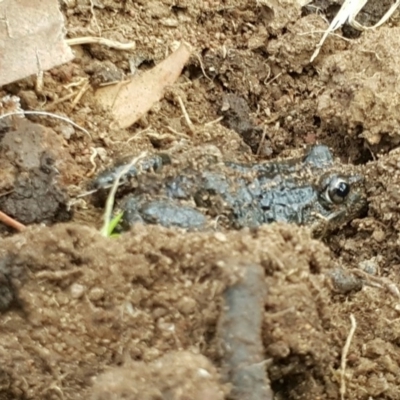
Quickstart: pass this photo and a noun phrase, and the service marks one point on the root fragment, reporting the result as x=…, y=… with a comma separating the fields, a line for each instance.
x=11, y=222
x=239, y=331
x=345, y=351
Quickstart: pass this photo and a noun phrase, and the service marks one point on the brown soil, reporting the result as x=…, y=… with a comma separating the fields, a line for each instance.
x=139, y=316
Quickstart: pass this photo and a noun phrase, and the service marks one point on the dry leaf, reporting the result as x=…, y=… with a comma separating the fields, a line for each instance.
x=130, y=100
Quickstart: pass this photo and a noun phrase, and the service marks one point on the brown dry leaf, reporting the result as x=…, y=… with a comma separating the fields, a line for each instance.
x=130, y=100
x=31, y=38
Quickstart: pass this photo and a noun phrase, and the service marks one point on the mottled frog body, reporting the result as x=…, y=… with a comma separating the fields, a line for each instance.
x=314, y=191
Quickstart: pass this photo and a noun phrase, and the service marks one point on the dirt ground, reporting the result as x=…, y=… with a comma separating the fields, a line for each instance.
x=143, y=316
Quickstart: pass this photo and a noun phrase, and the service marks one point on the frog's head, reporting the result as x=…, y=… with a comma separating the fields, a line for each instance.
x=341, y=199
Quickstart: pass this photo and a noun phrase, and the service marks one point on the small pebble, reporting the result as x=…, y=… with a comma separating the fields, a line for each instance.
x=77, y=290
x=67, y=131
x=345, y=282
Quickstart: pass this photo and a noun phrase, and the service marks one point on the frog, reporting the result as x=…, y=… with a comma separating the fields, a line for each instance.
x=313, y=190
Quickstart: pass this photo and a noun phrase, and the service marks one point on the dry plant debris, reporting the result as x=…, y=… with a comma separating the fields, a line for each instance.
x=348, y=12
x=130, y=100
x=111, y=196
x=11, y=222
x=31, y=38
x=240, y=333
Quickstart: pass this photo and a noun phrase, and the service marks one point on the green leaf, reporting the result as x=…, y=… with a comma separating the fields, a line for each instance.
x=113, y=224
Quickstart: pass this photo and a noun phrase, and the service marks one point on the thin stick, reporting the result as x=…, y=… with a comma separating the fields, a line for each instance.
x=387, y=15
x=59, y=101
x=261, y=141
x=11, y=222
x=78, y=97
x=91, y=159
x=138, y=133
x=113, y=191
x=39, y=76
x=202, y=67
x=215, y=121
x=186, y=115
x=94, y=16
x=6, y=193
x=47, y=114
x=175, y=132
x=273, y=79
x=348, y=9
x=343, y=361
x=99, y=40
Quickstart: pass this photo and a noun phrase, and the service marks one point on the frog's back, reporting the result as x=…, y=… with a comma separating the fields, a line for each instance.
x=303, y=191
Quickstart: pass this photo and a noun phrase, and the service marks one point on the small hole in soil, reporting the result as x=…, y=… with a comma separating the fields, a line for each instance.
x=177, y=10
x=358, y=129
x=193, y=72
x=316, y=121
x=146, y=65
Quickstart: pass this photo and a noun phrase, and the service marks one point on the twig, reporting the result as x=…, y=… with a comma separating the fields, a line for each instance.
x=88, y=193
x=377, y=282
x=94, y=16
x=47, y=114
x=99, y=40
x=387, y=15
x=186, y=115
x=343, y=361
x=348, y=12
x=332, y=34
x=78, y=97
x=7, y=193
x=261, y=141
x=273, y=79
x=133, y=137
x=52, y=105
x=215, y=121
x=175, y=132
x=39, y=75
x=202, y=67
x=240, y=333
x=11, y=222
x=91, y=159
x=113, y=191
x=348, y=9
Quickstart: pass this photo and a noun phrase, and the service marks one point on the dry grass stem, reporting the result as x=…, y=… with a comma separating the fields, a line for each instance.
x=93, y=155
x=186, y=115
x=111, y=196
x=345, y=352
x=47, y=114
x=80, y=94
x=175, y=132
x=52, y=105
x=11, y=222
x=215, y=121
x=347, y=13
x=202, y=67
x=39, y=84
x=99, y=40
x=94, y=19
x=261, y=144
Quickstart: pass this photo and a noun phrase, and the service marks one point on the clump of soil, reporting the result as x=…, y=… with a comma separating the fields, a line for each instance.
x=35, y=165
x=360, y=93
x=177, y=375
x=102, y=301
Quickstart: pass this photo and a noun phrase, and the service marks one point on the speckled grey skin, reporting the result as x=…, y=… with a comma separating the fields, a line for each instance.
x=314, y=190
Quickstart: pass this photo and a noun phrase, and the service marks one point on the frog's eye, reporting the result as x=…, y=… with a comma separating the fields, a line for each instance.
x=337, y=190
